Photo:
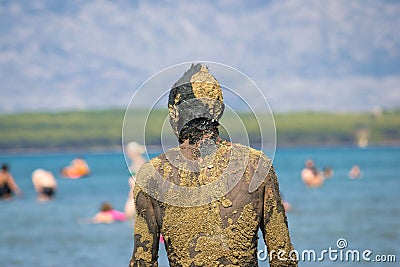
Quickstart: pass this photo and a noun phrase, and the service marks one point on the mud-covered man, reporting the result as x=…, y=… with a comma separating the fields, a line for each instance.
x=208, y=197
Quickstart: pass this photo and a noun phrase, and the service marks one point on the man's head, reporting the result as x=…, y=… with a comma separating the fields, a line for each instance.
x=309, y=163
x=195, y=105
x=4, y=167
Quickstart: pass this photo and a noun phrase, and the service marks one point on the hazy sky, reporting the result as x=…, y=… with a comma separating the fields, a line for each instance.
x=304, y=55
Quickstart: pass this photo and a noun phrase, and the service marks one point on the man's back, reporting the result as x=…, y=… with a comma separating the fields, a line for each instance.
x=222, y=231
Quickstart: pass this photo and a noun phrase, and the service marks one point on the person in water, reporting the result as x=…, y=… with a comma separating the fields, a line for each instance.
x=208, y=197
x=108, y=214
x=311, y=176
x=134, y=151
x=355, y=172
x=8, y=187
x=77, y=169
x=45, y=184
x=327, y=172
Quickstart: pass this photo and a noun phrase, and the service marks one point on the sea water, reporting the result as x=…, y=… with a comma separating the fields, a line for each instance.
x=343, y=215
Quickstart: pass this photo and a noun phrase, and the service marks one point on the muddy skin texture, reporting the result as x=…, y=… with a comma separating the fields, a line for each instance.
x=196, y=129
x=224, y=231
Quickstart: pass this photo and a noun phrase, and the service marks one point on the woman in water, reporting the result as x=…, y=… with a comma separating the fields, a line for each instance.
x=107, y=214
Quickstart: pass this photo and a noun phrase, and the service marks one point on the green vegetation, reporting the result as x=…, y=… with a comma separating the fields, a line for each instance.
x=89, y=129
x=61, y=130
x=337, y=128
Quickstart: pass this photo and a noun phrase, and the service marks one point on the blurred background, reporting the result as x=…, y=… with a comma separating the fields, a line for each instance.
x=332, y=56
x=330, y=71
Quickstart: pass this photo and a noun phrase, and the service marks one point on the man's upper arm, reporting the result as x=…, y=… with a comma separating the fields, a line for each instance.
x=146, y=231
x=274, y=225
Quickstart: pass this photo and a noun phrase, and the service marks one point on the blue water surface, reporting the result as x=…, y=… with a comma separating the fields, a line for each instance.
x=365, y=212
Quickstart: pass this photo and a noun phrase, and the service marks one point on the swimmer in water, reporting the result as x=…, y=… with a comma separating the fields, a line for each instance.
x=222, y=230
x=8, y=186
x=311, y=176
x=77, y=169
x=327, y=172
x=107, y=214
x=45, y=184
x=355, y=172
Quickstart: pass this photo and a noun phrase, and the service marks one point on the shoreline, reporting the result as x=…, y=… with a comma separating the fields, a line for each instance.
x=101, y=130
x=158, y=149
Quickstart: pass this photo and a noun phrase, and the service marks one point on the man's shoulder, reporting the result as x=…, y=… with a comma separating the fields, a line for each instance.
x=251, y=152
x=235, y=150
x=157, y=162
x=258, y=166
x=174, y=153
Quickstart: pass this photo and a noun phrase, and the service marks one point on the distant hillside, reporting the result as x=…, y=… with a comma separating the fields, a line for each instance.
x=91, y=129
